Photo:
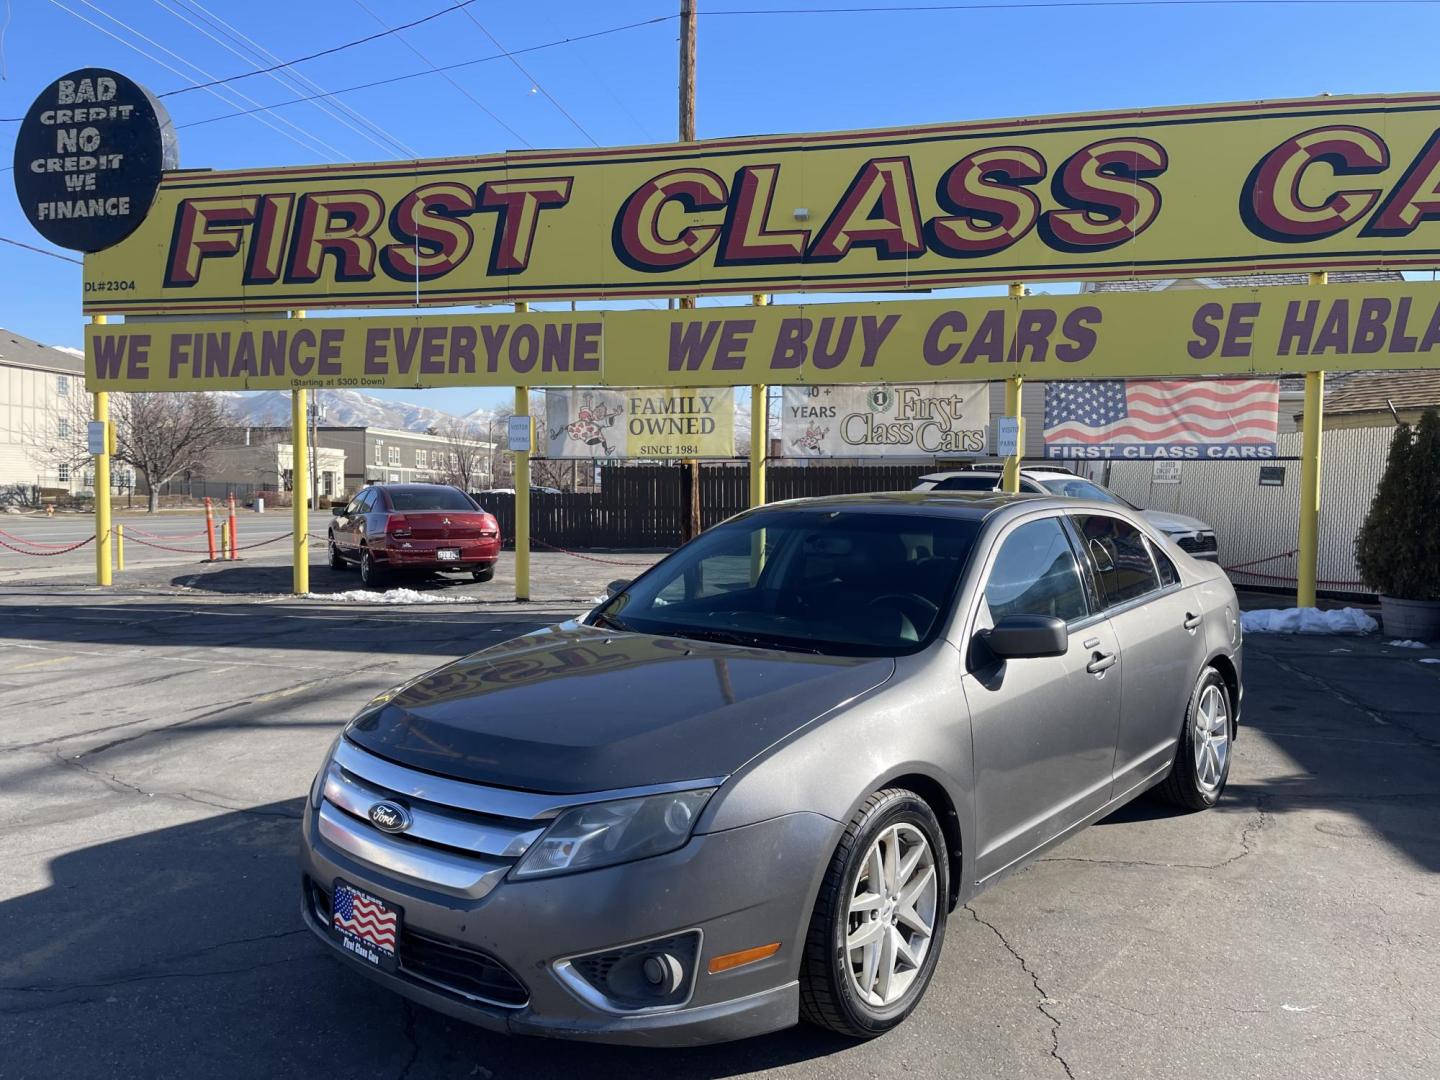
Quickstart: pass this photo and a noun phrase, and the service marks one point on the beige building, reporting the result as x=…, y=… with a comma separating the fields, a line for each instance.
x=266, y=466
x=43, y=411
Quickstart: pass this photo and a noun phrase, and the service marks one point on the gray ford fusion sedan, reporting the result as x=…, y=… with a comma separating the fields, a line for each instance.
x=751, y=786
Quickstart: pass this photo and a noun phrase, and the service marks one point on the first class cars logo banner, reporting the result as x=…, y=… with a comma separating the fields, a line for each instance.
x=1162, y=418
x=1191, y=333
x=1310, y=184
x=894, y=420
x=640, y=423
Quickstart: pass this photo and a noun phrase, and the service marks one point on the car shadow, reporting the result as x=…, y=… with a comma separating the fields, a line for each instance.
x=180, y=951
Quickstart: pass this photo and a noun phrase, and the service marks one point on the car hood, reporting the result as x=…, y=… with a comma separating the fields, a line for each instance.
x=578, y=709
x=1165, y=521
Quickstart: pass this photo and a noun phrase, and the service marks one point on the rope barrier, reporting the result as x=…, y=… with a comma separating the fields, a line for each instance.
x=31, y=543
x=587, y=558
x=47, y=554
x=1282, y=577
x=193, y=551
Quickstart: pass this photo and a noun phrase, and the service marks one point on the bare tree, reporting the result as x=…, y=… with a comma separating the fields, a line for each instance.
x=60, y=444
x=163, y=435
x=465, y=459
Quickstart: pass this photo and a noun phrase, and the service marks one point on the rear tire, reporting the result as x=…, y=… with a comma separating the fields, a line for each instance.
x=876, y=931
x=371, y=576
x=484, y=573
x=1202, y=760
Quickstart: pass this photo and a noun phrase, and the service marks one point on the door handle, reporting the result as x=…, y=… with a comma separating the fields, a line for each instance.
x=1100, y=662
x=1191, y=622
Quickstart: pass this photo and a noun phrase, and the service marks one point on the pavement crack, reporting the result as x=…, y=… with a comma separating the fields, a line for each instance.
x=408, y=1030
x=1041, y=1006
x=41, y=988
x=115, y=782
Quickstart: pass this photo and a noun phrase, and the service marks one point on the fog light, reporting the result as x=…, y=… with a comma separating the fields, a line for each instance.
x=663, y=972
x=646, y=975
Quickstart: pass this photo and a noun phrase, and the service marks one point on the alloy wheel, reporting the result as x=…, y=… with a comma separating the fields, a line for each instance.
x=890, y=921
x=1212, y=738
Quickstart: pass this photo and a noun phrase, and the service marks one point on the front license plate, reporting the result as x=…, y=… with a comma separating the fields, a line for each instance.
x=368, y=927
x=448, y=554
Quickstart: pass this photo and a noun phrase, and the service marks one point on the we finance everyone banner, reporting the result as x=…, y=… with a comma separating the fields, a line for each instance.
x=1307, y=184
x=894, y=420
x=640, y=423
x=1162, y=418
x=1192, y=333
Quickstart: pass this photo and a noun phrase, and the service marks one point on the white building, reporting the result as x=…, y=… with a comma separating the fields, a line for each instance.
x=43, y=409
x=261, y=467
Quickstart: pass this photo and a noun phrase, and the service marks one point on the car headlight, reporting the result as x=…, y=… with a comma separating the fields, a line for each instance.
x=603, y=834
x=317, y=786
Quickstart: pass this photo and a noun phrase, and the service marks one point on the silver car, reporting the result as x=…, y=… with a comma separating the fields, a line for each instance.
x=751, y=786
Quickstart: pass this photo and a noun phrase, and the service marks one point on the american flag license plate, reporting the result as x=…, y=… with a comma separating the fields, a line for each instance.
x=368, y=928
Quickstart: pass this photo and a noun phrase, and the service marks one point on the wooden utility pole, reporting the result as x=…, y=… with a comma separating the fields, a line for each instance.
x=687, y=134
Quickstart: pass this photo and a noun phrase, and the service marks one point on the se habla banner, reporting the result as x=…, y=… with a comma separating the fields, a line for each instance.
x=1190, y=334
x=1306, y=184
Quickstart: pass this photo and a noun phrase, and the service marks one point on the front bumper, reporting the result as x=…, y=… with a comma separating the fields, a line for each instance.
x=740, y=888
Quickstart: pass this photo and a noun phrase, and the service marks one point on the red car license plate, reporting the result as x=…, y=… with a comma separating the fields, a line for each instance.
x=448, y=554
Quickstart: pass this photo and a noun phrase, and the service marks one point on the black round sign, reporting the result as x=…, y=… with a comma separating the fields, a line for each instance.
x=89, y=157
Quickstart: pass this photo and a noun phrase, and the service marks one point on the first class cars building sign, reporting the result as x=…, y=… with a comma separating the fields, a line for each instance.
x=1311, y=184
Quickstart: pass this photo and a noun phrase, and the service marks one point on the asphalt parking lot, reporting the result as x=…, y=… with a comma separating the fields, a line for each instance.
x=157, y=742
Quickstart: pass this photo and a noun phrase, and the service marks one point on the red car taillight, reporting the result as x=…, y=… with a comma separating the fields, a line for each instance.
x=397, y=526
x=489, y=527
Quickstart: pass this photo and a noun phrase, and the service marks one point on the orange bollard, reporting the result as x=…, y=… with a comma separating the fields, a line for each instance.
x=210, y=527
x=234, y=529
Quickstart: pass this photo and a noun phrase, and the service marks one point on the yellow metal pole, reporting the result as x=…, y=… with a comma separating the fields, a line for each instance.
x=119, y=547
x=522, y=493
x=759, y=430
x=300, y=481
x=1314, y=421
x=1010, y=479
x=102, y=487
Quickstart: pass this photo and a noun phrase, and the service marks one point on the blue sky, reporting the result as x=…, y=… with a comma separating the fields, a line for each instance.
x=757, y=73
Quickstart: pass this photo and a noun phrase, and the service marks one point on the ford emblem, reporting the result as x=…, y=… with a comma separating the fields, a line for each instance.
x=389, y=818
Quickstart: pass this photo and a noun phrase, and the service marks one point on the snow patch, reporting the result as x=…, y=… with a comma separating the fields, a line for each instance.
x=1307, y=621
x=1431, y=660
x=1407, y=643
x=391, y=596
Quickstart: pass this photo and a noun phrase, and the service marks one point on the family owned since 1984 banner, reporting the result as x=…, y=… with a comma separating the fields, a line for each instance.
x=893, y=420
x=1162, y=418
x=648, y=423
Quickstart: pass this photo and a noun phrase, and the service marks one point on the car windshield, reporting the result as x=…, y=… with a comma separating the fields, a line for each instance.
x=1075, y=487
x=834, y=581
x=436, y=498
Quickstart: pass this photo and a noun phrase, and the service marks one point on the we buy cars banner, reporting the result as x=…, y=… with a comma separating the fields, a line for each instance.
x=1309, y=184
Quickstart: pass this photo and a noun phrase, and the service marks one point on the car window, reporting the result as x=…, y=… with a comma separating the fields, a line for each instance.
x=365, y=501
x=1121, y=557
x=827, y=580
x=1075, y=487
x=437, y=498
x=1036, y=573
x=1168, y=574
x=977, y=482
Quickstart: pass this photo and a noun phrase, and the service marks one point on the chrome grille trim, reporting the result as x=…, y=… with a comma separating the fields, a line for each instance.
x=465, y=875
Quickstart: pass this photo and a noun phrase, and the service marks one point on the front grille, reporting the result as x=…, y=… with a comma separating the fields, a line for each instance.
x=1201, y=542
x=443, y=965
x=460, y=970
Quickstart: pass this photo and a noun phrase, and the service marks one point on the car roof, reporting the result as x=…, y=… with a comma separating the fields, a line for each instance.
x=1049, y=472
x=414, y=487
x=975, y=505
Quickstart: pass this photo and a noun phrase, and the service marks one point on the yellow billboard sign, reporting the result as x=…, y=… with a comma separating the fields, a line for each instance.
x=1194, y=333
x=1312, y=184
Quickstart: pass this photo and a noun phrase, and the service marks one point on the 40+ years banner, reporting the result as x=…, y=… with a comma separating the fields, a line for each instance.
x=1309, y=184
x=893, y=420
x=1186, y=334
x=639, y=423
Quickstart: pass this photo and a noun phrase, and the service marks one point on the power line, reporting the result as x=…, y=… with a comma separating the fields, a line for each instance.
x=286, y=82
x=168, y=67
x=1018, y=5
x=41, y=251
x=533, y=80
x=416, y=50
x=304, y=81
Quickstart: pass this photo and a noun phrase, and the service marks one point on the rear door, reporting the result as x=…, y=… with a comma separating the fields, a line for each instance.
x=1157, y=623
x=1043, y=729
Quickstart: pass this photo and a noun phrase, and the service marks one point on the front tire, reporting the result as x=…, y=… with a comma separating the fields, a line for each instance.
x=1202, y=760
x=337, y=561
x=879, y=921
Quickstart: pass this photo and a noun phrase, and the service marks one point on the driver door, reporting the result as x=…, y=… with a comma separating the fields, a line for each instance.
x=1043, y=729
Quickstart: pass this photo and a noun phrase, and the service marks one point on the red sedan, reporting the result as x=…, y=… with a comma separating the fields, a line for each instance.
x=388, y=528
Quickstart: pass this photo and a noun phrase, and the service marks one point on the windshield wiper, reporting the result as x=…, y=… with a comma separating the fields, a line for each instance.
x=738, y=637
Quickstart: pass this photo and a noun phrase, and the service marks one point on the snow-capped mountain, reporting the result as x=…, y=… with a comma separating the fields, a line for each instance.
x=343, y=408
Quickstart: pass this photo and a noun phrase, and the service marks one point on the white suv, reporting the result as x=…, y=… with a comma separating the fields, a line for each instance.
x=1192, y=535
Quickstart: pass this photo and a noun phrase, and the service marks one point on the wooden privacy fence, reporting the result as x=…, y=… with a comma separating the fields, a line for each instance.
x=643, y=506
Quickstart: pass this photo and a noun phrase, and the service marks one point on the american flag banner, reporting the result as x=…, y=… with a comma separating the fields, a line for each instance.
x=1162, y=418
x=364, y=917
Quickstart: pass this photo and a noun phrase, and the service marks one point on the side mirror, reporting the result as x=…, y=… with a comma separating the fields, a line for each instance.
x=1018, y=637
x=616, y=587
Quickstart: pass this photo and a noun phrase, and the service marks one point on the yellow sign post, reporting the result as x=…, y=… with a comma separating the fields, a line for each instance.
x=299, y=484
